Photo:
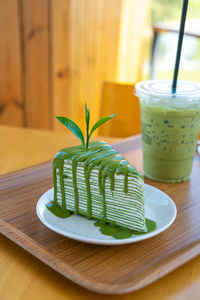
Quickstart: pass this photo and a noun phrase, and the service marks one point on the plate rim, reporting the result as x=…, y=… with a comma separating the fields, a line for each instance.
x=113, y=242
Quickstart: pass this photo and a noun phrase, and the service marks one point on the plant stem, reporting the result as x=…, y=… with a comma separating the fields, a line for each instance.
x=87, y=139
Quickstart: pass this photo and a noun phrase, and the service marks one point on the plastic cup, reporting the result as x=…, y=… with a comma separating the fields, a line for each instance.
x=170, y=128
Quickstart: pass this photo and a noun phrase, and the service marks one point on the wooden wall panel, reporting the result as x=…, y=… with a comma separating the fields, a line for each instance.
x=56, y=54
x=134, y=32
x=104, y=44
x=60, y=59
x=35, y=15
x=93, y=44
x=11, y=99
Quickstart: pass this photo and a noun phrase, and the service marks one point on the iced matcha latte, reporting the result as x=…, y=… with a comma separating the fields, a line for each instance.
x=170, y=128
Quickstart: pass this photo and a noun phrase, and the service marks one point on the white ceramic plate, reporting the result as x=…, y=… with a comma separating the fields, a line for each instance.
x=158, y=207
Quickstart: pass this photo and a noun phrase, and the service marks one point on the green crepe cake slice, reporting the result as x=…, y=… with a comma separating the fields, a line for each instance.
x=100, y=184
x=94, y=181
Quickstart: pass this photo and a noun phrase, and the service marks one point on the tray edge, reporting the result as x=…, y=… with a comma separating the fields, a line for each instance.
x=179, y=259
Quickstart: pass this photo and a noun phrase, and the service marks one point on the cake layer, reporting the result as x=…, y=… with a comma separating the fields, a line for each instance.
x=100, y=184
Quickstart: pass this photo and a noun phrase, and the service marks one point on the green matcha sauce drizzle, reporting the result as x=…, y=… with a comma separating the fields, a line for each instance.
x=123, y=233
x=57, y=210
x=74, y=168
x=110, y=163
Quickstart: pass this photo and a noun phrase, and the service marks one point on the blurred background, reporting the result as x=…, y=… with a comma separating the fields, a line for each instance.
x=57, y=54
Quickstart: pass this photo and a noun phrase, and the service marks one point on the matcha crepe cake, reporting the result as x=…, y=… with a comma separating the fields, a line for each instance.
x=94, y=181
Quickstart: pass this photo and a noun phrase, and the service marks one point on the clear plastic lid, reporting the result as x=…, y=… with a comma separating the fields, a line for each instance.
x=186, y=90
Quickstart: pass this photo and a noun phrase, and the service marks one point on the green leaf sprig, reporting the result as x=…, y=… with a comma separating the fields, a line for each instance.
x=87, y=121
x=75, y=129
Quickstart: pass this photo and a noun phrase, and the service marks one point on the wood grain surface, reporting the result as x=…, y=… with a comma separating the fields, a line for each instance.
x=22, y=276
x=11, y=94
x=97, y=267
x=36, y=55
x=55, y=55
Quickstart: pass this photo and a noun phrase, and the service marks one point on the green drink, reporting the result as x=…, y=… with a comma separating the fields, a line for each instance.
x=170, y=128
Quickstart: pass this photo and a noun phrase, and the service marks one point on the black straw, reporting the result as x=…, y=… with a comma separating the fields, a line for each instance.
x=179, y=47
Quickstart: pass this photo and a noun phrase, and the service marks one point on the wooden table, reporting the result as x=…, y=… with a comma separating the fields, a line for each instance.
x=24, y=277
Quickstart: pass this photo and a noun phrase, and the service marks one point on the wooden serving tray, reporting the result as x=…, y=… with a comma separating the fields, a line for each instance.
x=104, y=269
